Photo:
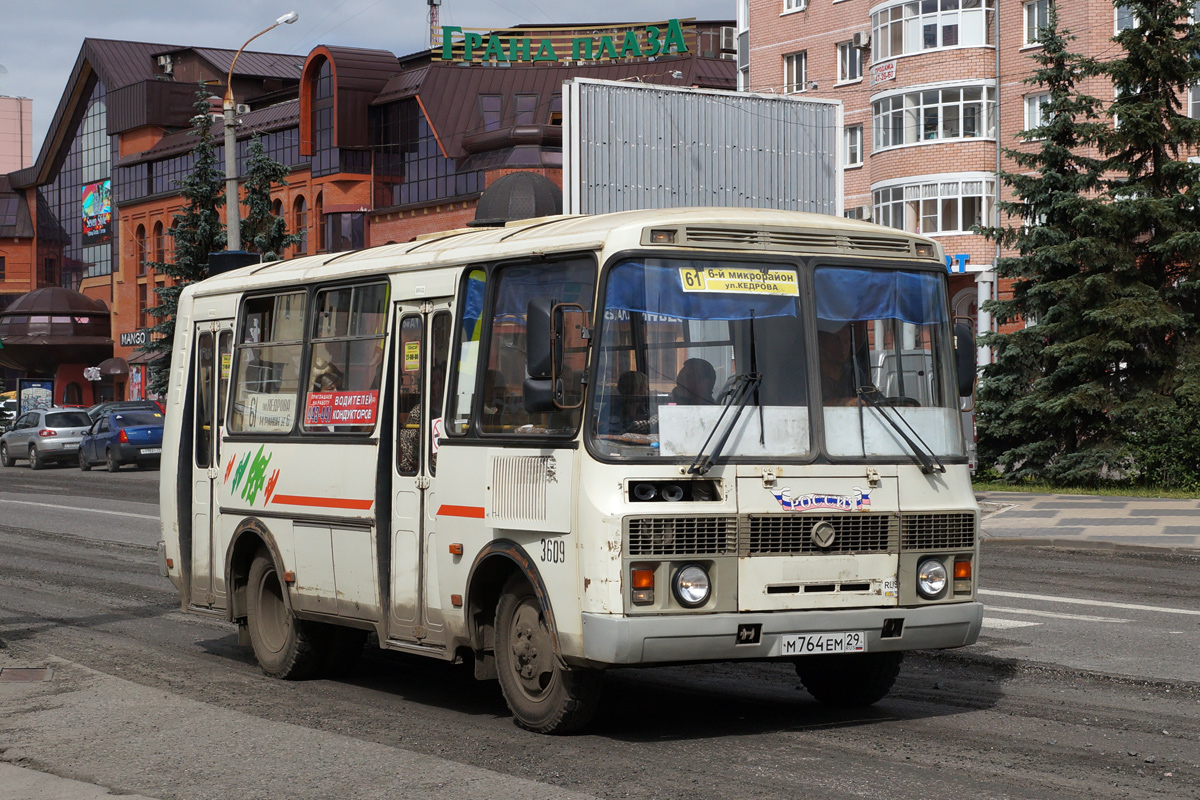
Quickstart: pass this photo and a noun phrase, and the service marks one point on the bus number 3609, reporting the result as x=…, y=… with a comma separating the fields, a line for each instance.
x=554, y=551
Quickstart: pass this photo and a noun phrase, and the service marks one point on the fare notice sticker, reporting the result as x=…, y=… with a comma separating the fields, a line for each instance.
x=734, y=280
x=341, y=408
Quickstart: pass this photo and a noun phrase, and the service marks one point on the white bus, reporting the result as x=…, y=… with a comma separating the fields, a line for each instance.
x=578, y=443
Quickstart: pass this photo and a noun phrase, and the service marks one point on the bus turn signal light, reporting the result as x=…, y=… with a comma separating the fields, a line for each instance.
x=642, y=581
x=456, y=549
x=962, y=569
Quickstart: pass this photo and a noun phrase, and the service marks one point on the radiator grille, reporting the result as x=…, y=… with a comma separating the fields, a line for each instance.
x=783, y=534
x=675, y=536
x=937, y=531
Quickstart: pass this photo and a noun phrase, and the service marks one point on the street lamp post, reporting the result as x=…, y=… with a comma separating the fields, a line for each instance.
x=233, y=214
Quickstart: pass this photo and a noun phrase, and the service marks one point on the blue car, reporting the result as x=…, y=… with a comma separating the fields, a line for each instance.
x=123, y=437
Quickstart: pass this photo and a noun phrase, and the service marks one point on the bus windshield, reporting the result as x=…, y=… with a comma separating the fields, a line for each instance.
x=693, y=353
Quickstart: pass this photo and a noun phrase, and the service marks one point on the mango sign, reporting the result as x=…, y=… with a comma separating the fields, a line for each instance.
x=643, y=43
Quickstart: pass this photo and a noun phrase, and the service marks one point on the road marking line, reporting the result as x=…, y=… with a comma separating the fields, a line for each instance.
x=1081, y=602
x=1004, y=624
x=1054, y=614
x=76, y=508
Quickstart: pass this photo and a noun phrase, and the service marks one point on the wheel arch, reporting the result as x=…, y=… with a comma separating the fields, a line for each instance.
x=491, y=569
x=250, y=535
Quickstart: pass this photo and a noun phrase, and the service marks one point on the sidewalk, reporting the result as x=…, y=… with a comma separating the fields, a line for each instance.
x=1090, y=520
x=18, y=783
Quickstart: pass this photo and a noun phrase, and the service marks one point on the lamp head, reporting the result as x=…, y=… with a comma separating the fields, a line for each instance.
x=288, y=18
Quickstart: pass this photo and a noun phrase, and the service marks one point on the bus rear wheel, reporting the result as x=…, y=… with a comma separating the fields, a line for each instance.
x=544, y=696
x=286, y=647
x=852, y=680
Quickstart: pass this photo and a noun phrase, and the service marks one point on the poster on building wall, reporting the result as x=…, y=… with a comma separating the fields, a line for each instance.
x=97, y=212
x=135, y=384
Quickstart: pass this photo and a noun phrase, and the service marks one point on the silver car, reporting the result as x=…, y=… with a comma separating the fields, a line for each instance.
x=47, y=434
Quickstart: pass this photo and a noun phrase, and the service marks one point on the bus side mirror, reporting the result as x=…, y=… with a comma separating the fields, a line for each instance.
x=964, y=359
x=539, y=343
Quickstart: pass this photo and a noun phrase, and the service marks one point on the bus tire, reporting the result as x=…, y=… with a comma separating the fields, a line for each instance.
x=544, y=697
x=286, y=647
x=852, y=680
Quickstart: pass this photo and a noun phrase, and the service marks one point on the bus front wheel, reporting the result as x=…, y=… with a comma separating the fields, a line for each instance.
x=285, y=647
x=851, y=680
x=543, y=695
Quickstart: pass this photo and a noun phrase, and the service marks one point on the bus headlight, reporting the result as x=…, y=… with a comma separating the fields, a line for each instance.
x=931, y=578
x=691, y=586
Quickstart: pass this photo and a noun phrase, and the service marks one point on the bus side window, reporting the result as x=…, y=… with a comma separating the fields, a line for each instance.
x=408, y=396
x=502, y=405
x=346, y=361
x=467, y=355
x=442, y=323
x=267, y=364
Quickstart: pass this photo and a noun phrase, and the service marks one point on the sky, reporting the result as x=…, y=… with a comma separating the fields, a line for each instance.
x=40, y=39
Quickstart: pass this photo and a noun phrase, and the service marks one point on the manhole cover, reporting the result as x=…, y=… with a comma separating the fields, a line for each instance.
x=25, y=675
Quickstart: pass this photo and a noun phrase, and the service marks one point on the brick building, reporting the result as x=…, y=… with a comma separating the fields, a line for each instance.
x=933, y=89
x=380, y=148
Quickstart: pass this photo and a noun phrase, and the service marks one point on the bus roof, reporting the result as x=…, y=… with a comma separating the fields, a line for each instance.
x=748, y=229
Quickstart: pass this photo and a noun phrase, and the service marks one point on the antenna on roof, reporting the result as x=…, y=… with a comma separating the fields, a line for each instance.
x=433, y=21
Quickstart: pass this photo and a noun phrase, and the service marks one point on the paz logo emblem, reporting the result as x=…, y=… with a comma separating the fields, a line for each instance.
x=823, y=534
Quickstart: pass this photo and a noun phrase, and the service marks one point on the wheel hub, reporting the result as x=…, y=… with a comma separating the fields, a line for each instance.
x=530, y=643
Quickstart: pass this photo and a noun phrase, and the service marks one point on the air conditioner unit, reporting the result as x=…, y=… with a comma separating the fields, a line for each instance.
x=166, y=63
x=866, y=213
x=862, y=39
x=241, y=108
x=728, y=38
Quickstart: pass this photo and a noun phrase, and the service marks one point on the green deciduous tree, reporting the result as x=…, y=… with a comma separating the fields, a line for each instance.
x=262, y=231
x=197, y=231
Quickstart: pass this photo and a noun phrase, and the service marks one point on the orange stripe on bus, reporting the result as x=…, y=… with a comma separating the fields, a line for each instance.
x=322, y=502
x=474, y=512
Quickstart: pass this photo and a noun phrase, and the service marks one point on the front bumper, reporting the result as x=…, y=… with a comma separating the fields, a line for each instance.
x=611, y=639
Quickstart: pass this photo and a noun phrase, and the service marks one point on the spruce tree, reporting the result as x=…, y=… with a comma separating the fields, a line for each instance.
x=197, y=231
x=262, y=231
x=1151, y=303
x=1038, y=409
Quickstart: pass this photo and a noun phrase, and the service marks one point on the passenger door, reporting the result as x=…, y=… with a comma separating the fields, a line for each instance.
x=212, y=354
x=423, y=337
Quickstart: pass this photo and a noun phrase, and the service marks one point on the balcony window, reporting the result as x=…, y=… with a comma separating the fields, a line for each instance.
x=936, y=206
x=919, y=25
x=961, y=112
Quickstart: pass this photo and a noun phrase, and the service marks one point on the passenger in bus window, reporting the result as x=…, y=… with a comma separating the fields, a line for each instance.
x=326, y=377
x=495, y=390
x=837, y=366
x=629, y=411
x=694, y=384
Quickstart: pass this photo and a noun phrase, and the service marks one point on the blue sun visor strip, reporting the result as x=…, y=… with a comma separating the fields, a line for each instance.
x=854, y=295
x=653, y=289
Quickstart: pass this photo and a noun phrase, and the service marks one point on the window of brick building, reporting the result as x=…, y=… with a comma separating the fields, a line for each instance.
x=912, y=26
x=300, y=224
x=849, y=62
x=1037, y=16
x=795, y=72
x=160, y=244
x=853, y=153
x=2, y=275
x=795, y=5
x=139, y=249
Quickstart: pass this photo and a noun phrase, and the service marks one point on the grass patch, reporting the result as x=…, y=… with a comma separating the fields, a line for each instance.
x=1107, y=491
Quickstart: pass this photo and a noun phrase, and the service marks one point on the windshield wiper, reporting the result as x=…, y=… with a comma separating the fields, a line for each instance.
x=744, y=386
x=923, y=452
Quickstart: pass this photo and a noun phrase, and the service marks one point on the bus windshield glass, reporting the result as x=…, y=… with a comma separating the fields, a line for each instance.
x=885, y=364
x=679, y=339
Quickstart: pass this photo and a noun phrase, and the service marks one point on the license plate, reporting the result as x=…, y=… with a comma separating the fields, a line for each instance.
x=150, y=451
x=813, y=644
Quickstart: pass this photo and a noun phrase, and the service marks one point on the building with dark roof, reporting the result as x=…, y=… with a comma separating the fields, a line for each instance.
x=379, y=148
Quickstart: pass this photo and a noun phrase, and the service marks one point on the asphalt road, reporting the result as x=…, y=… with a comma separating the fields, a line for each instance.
x=1085, y=683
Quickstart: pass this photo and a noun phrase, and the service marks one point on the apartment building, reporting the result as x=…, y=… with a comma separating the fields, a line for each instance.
x=933, y=91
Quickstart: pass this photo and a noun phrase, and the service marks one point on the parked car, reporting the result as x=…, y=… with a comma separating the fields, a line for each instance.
x=8, y=414
x=123, y=405
x=44, y=435
x=123, y=437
